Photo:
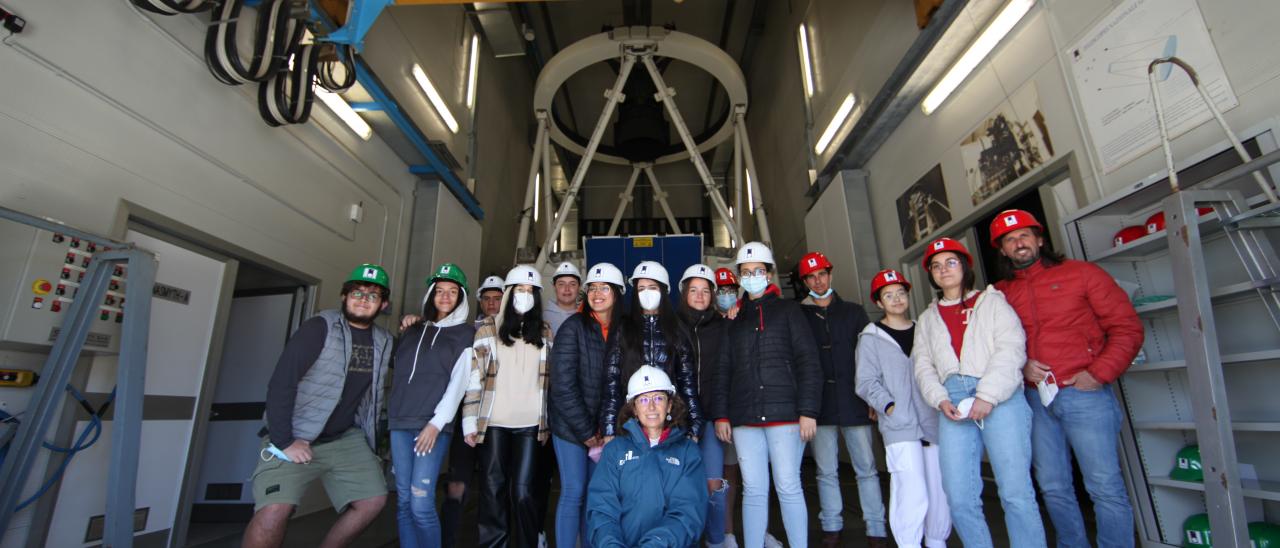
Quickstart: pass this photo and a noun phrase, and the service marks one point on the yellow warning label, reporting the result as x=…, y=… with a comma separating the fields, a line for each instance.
x=642, y=242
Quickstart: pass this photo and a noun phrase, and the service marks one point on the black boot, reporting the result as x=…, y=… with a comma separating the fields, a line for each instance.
x=450, y=515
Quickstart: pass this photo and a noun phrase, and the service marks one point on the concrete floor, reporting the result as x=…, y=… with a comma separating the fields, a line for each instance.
x=308, y=531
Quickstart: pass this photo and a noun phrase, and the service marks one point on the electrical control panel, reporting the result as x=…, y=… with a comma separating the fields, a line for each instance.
x=43, y=272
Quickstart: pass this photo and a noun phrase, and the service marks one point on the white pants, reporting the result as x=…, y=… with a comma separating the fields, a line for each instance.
x=917, y=506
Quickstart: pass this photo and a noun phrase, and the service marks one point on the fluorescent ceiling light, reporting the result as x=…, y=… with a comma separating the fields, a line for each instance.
x=992, y=35
x=437, y=102
x=730, y=212
x=806, y=62
x=344, y=112
x=472, y=70
x=537, y=192
x=834, y=125
x=751, y=202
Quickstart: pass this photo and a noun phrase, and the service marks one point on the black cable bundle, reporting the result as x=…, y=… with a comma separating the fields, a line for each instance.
x=332, y=58
x=271, y=43
x=174, y=7
x=287, y=97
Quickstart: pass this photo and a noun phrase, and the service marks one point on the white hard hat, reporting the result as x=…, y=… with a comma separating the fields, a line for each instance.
x=492, y=282
x=649, y=379
x=523, y=274
x=699, y=271
x=607, y=273
x=754, y=252
x=651, y=270
x=567, y=269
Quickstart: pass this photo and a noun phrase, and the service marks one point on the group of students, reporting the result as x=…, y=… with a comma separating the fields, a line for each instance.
x=645, y=406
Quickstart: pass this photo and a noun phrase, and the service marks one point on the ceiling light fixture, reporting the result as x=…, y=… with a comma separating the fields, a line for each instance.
x=345, y=113
x=472, y=70
x=751, y=202
x=437, y=102
x=1004, y=22
x=842, y=114
x=537, y=192
x=806, y=62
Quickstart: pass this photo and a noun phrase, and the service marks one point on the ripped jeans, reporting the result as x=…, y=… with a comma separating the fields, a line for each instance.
x=416, y=478
x=713, y=462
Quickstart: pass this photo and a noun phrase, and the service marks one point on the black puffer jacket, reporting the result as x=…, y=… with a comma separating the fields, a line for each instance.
x=769, y=370
x=679, y=365
x=835, y=329
x=577, y=379
x=704, y=330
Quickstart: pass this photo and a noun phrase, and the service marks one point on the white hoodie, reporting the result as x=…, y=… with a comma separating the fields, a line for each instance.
x=994, y=350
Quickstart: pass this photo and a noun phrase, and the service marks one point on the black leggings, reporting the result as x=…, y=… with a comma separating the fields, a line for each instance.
x=508, y=507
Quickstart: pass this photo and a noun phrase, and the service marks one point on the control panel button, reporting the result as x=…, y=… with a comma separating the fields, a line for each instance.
x=41, y=287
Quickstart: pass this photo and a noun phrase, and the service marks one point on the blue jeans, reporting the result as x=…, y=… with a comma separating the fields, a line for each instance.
x=416, y=488
x=713, y=462
x=1006, y=436
x=826, y=454
x=1088, y=424
x=759, y=449
x=576, y=469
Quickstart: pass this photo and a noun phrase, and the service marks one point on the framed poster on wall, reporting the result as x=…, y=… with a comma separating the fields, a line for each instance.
x=923, y=208
x=1006, y=145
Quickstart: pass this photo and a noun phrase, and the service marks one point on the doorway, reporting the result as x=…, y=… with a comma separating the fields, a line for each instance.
x=1030, y=201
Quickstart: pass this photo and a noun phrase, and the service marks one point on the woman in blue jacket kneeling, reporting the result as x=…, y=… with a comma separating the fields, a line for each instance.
x=649, y=488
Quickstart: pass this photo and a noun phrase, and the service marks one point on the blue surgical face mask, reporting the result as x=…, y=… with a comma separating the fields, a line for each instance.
x=725, y=302
x=822, y=296
x=754, y=285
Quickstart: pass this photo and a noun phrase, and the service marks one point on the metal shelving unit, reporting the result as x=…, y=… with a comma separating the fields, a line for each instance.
x=1215, y=389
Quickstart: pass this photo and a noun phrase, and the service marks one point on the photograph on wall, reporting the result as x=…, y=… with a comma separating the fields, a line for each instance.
x=923, y=208
x=1109, y=65
x=1007, y=145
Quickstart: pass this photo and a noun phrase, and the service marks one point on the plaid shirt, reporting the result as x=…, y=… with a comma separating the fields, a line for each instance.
x=477, y=405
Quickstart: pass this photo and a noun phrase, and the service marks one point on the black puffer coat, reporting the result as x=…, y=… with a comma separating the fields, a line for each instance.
x=705, y=330
x=835, y=330
x=769, y=370
x=678, y=363
x=577, y=379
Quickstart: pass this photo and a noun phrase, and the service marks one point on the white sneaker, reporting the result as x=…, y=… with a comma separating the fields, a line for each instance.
x=729, y=541
x=771, y=542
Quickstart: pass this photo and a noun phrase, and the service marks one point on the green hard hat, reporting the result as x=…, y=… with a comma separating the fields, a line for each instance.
x=1186, y=465
x=1195, y=531
x=369, y=273
x=1264, y=535
x=451, y=272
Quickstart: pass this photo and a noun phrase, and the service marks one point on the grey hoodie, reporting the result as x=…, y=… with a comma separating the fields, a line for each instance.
x=886, y=375
x=429, y=371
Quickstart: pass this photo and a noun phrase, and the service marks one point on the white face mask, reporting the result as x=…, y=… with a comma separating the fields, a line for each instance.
x=650, y=299
x=523, y=302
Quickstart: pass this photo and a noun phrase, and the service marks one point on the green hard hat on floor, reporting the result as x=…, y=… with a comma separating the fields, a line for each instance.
x=1264, y=535
x=1195, y=531
x=369, y=273
x=1186, y=465
x=451, y=272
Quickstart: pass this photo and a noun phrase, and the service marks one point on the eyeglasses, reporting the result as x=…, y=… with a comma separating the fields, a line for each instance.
x=597, y=289
x=756, y=272
x=656, y=399
x=368, y=297
x=894, y=296
x=944, y=265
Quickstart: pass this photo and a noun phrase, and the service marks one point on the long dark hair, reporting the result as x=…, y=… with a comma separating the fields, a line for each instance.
x=429, y=310
x=632, y=338
x=678, y=411
x=527, y=326
x=1048, y=257
x=615, y=313
x=967, y=280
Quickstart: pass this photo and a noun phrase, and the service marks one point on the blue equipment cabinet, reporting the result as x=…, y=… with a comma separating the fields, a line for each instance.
x=675, y=253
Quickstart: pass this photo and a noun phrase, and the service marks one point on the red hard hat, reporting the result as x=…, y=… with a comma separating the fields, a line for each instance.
x=1010, y=220
x=813, y=262
x=1155, y=223
x=887, y=277
x=1131, y=233
x=945, y=244
x=725, y=277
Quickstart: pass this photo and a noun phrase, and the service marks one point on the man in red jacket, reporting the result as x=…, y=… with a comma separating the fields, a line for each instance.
x=1082, y=333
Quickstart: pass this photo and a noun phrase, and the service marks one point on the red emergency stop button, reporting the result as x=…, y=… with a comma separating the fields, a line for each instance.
x=41, y=287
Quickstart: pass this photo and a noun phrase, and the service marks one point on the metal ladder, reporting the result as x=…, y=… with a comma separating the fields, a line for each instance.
x=1244, y=227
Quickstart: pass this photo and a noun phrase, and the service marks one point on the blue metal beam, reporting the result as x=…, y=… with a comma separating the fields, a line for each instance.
x=368, y=106
x=359, y=20
x=419, y=169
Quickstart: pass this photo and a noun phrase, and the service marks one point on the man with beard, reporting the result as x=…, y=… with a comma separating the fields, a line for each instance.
x=1082, y=334
x=322, y=416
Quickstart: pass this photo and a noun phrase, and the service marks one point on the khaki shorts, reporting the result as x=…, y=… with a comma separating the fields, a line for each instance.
x=346, y=467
